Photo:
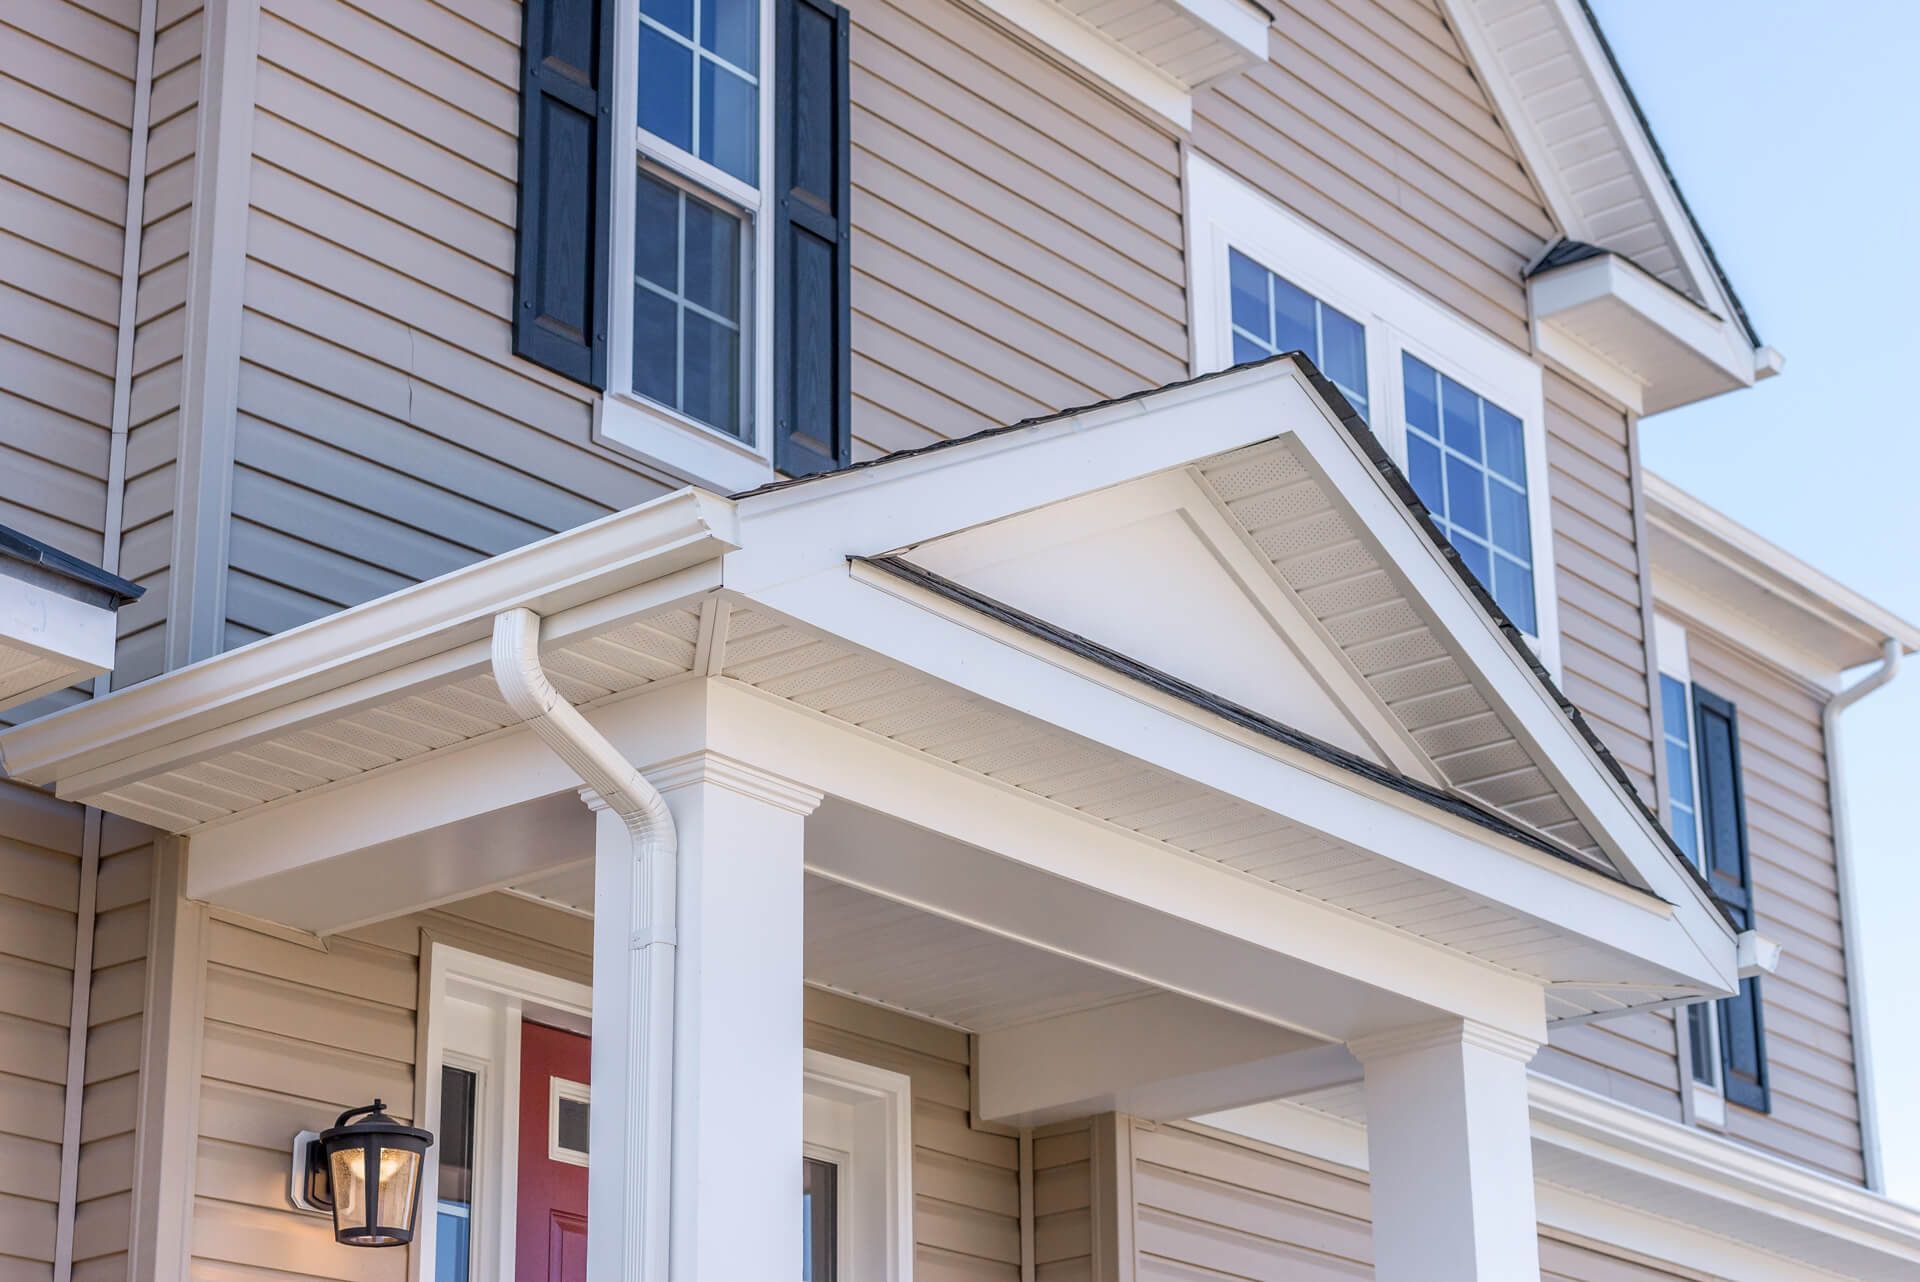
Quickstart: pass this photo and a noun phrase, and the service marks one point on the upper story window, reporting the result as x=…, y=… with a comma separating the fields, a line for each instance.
x=1461, y=411
x=1273, y=315
x=700, y=81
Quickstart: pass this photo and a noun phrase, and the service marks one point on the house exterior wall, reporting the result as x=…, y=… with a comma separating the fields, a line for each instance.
x=1815, y=1117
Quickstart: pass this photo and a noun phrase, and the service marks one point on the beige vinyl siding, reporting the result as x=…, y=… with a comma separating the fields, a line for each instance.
x=1603, y=656
x=1815, y=1118
x=40, y=843
x=115, y=1027
x=386, y=433
x=160, y=309
x=1368, y=121
x=1210, y=1206
x=966, y=1182
x=1017, y=243
x=66, y=116
x=1062, y=1204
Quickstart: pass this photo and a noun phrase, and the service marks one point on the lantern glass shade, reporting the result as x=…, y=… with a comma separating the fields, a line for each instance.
x=373, y=1173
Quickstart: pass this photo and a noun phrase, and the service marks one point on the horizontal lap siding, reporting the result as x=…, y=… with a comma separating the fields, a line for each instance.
x=292, y=1035
x=1063, y=1204
x=159, y=336
x=386, y=434
x=1815, y=1117
x=66, y=116
x=1208, y=1207
x=1016, y=235
x=1368, y=121
x=40, y=842
x=115, y=1027
x=966, y=1183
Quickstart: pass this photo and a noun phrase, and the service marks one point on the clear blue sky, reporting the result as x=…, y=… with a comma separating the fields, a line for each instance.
x=1791, y=127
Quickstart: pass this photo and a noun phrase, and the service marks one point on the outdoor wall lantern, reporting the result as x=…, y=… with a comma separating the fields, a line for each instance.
x=365, y=1171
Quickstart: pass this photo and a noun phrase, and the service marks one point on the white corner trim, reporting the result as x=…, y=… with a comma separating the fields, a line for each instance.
x=1224, y=213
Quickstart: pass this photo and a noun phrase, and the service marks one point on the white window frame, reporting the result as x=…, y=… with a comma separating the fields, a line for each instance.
x=657, y=435
x=860, y=1118
x=472, y=1006
x=1708, y=1100
x=558, y=1089
x=1224, y=213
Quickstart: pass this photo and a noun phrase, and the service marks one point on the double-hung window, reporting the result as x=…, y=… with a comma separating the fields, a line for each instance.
x=1461, y=411
x=699, y=181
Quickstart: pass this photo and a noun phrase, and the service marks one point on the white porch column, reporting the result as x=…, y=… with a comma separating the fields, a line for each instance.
x=737, y=1032
x=1450, y=1149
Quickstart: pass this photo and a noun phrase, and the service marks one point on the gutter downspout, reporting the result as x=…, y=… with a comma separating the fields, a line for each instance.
x=624, y=791
x=1849, y=916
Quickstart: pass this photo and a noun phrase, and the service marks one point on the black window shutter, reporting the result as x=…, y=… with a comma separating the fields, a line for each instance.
x=561, y=258
x=813, y=264
x=1723, y=819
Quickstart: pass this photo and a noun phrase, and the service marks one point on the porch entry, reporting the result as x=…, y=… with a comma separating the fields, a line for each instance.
x=510, y=1086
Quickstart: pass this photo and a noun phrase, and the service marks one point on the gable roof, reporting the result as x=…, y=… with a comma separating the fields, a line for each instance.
x=1569, y=838
x=1584, y=136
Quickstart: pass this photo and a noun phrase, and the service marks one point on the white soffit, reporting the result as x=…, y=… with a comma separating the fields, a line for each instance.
x=1154, y=52
x=1820, y=626
x=1657, y=348
x=56, y=619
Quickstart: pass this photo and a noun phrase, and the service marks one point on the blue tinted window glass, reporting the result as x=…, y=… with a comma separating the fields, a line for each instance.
x=656, y=346
x=666, y=88
x=676, y=15
x=1245, y=349
x=1460, y=415
x=729, y=122
x=1293, y=320
x=656, y=231
x=713, y=260
x=1344, y=352
x=1423, y=404
x=1423, y=469
x=1673, y=709
x=1506, y=448
x=1513, y=589
x=713, y=371
x=1477, y=559
x=1466, y=497
x=731, y=29
x=1247, y=284
x=1507, y=517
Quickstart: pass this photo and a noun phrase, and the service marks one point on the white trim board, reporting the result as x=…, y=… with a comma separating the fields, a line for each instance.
x=1224, y=213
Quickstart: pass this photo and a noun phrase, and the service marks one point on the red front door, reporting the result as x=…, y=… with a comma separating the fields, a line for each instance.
x=553, y=1149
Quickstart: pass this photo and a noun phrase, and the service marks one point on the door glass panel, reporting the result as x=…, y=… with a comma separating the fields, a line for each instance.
x=819, y=1215
x=453, y=1240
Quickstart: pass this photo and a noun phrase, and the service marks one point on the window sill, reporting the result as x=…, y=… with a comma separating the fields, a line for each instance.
x=677, y=446
x=1709, y=1107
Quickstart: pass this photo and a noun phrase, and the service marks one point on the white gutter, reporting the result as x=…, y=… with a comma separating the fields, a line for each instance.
x=652, y=945
x=1849, y=914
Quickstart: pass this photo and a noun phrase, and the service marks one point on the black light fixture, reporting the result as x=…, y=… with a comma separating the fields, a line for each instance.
x=367, y=1172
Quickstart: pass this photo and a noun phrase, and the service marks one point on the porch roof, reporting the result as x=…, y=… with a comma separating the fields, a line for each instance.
x=1482, y=816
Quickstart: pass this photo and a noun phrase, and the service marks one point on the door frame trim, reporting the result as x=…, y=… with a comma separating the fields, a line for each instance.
x=502, y=993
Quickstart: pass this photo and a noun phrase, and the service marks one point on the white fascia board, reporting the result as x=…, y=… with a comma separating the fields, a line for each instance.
x=1777, y=574
x=1670, y=350
x=975, y=654
x=48, y=639
x=596, y=560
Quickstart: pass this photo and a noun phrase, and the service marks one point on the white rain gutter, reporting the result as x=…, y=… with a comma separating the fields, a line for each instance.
x=625, y=791
x=1849, y=916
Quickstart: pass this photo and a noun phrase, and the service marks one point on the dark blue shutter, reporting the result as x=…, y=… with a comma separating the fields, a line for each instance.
x=813, y=264
x=561, y=258
x=1723, y=820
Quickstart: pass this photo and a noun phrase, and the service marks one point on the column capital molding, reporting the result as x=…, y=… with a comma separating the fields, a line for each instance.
x=735, y=776
x=1443, y=1032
